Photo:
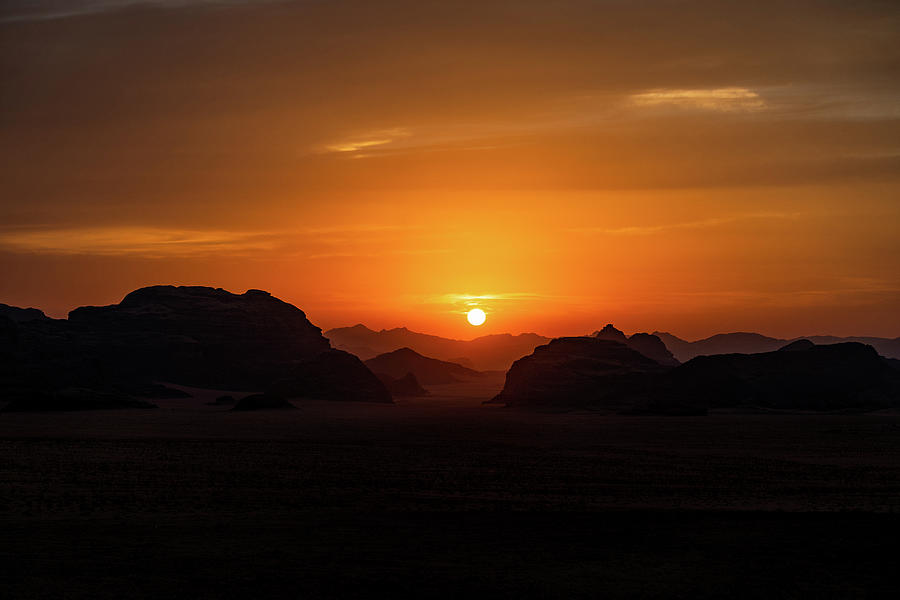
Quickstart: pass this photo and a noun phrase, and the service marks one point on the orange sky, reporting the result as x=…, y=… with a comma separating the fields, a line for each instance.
x=692, y=167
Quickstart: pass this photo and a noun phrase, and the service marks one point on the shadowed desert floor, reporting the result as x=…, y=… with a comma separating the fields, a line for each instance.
x=441, y=495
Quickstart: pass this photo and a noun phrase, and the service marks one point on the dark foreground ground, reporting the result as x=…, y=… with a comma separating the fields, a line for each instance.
x=442, y=497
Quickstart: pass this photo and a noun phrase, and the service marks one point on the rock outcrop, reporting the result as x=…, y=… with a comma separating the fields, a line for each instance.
x=611, y=333
x=427, y=370
x=22, y=315
x=591, y=373
x=835, y=377
x=652, y=347
x=197, y=336
x=608, y=375
x=200, y=336
x=647, y=344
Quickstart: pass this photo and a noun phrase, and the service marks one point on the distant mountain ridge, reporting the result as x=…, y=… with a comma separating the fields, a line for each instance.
x=497, y=352
x=487, y=353
x=754, y=343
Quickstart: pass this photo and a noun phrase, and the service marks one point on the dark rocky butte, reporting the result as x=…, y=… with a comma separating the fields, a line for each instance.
x=647, y=344
x=587, y=372
x=199, y=336
x=607, y=375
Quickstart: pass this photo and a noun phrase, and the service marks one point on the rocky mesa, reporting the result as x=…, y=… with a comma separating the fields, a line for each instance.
x=198, y=336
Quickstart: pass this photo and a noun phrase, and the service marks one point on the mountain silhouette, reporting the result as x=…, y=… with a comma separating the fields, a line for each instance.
x=406, y=386
x=610, y=333
x=198, y=336
x=585, y=372
x=603, y=374
x=750, y=343
x=800, y=376
x=426, y=370
x=722, y=343
x=331, y=375
x=647, y=344
x=22, y=315
x=486, y=353
x=798, y=346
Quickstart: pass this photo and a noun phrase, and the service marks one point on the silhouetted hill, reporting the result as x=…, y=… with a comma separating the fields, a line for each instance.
x=426, y=370
x=750, y=343
x=587, y=372
x=486, y=353
x=647, y=344
x=332, y=375
x=605, y=374
x=611, y=333
x=200, y=336
x=406, y=386
x=831, y=377
x=887, y=347
x=652, y=347
x=22, y=315
x=722, y=343
x=798, y=346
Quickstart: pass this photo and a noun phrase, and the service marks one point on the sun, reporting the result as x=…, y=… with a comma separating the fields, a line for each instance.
x=476, y=316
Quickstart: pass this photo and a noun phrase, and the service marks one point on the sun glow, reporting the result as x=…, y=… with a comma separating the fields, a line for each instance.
x=476, y=316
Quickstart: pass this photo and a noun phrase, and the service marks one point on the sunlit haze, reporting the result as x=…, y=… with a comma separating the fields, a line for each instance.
x=692, y=167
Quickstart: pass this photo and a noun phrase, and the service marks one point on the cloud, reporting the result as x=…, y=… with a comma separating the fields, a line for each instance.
x=461, y=303
x=700, y=224
x=368, y=140
x=475, y=297
x=728, y=99
x=352, y=240
x=358, y=228
x=370, y=253
x=146, y=241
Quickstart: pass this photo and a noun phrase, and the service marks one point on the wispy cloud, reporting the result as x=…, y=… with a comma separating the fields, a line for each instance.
x=370, y=139
x=718, y=99
x=700, y=224
x=478, y=297
x=146, y=241
x=359, y=228
x=370, y=254
x=460, y=303
x=362, y=239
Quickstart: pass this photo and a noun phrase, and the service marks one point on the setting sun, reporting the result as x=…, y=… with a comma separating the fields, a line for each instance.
x=476, y=316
